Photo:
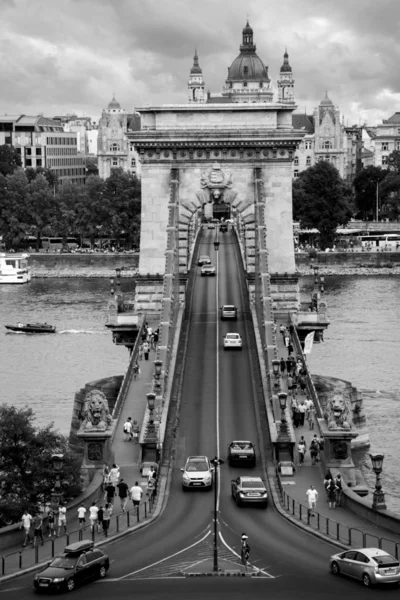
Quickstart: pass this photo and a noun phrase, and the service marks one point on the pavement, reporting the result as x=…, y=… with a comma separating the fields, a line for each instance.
x=306, y=475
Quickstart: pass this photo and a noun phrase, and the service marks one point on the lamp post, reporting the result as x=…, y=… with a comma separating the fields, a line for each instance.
x=275, y=370
x=216, y=462
x=282, y=403
x=216, y=241
x=112, y=291
x=322, y=283
x=316, y=271
x=58, y=462
x=151, y=402
x=118, y=272
x=377, y=200
x=378, y=500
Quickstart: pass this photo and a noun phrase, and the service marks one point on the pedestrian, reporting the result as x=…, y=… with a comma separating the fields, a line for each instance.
x=136, y=496
x=62, y=519
x=114, y=474
x=302, y=410
x=106, y=476
x=38, y=529
x=26, y=522
x=100, y=514
x=140, y=353
x=50, y=523
x=339, y=489
x=109, y=495
x=155, y=338
x=282, y=366
x=311, y=417
x=293, y=406
x=135, y=432
x=128, y=430
x=288, y=366
x=146, y=350
x=301, y=449
x=312, y=497
x=136, y=370
x=152, y=475
x=286, y=339
x=93, y=516
x=290, y=349
x=123, y=494
x=331, y=489
x=302, y=383
x=282, y=330
x=314, y=449
x=82, y=516
x=106, y=518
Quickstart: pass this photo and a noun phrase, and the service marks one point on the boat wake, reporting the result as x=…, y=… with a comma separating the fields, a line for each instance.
x=84, y=331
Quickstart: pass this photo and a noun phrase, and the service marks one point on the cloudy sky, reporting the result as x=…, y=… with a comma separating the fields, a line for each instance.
x=66, y=56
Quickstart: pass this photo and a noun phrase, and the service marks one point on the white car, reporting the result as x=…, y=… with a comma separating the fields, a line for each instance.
x=204, y=260
x=369, y=565
x=208, y=270
x=233, y=340
x=197, y=473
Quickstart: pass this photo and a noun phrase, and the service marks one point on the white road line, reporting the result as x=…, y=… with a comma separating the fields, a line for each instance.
x=217, y=382
x=164, y=559
x=256, y=569
x=194, y=564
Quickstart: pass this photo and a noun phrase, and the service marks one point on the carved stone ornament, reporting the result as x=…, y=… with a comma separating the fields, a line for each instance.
x=95, y=451
x=215, y=178
x=338, y=409
x=96, y=412
x=340, y=450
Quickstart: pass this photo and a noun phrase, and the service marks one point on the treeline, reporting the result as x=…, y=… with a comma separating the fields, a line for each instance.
x=33, y=203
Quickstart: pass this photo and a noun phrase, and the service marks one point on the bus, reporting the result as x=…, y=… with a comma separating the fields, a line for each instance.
x=383, y=242
x=54, y=244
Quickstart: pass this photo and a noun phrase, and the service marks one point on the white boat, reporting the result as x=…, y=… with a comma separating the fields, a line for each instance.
x=14, y=268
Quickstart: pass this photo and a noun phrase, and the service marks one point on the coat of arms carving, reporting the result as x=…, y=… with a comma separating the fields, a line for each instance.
x=215, y=178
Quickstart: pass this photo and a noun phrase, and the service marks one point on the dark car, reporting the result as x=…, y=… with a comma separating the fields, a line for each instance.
x=78, y=564
x=241, y=453
x=249, y=490
x=223, y=228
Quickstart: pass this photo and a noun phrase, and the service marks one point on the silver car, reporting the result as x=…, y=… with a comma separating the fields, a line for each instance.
x=370, y=565
x=197, y=473
x=249, y=490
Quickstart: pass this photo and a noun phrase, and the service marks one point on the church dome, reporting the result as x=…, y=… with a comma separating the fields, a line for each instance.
x=248, y=66
x=248, y=29
x=196, y=69
x=114, y=104
x=286, y=68
x=326, y=101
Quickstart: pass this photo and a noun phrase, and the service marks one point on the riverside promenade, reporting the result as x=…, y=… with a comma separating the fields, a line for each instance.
x=14, y=558
x=338, y=523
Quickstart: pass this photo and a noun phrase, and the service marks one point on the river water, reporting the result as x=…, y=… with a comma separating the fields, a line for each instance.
x=362, y=345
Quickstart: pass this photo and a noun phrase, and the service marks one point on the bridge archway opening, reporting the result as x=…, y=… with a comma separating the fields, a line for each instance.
x=221, y=210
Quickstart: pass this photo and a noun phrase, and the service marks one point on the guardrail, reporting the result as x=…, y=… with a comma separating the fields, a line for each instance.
x=35, y=555
x=349, y=536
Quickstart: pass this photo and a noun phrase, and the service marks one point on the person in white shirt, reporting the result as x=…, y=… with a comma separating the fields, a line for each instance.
x=114, y=475
x=312, y=497
x=26, y=522
x=81, y=516
x=93, y=514
x=62, y=519
x=128, y=430
x=136, y=495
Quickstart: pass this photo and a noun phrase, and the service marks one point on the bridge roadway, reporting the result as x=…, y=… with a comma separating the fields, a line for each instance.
x=217, y=406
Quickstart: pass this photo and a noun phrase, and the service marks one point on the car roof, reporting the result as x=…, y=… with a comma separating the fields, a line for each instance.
x=78, y=547
x=204, y=256
x=372, y=551
x=232, y=334
x=197, y=458
x=229, y=306
x=208, y=267
x=241, y=442
x=251, y=479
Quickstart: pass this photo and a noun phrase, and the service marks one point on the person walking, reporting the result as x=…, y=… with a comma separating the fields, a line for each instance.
x=109, y=495
x=82, y=516
x=26, y=523
x=62, y=519
x=140, y=353
x=302, y=410
x=283, y=331
x=136, y=493
x=331, y=489
x=128, y=430
x=93, y=517
x=282, y=366
x=339, y=488
x=136, y=370
x=301, y=449
x=100, y=514
x=106, y=475
x=50, y=523
x=114, y=474
x=311, y=418
x=123, y=494
x=146, y=350
x=314, y=449
x=106, y=518
x=38, y=529
x=135, y=432
x=312, y=497
x=295, y=413
x=290, y=384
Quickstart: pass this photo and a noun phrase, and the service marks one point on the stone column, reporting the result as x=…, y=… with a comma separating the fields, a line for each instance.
x=96, y=451
x=337, y=451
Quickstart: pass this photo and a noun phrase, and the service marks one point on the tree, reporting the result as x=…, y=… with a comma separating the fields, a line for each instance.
x=322, y=200
x=13, y=207
x=365, y=186
x=10, y=160
x=393, y=163
x=27, y=476
x=122, y=201
x=69, y=200
x=41, y=207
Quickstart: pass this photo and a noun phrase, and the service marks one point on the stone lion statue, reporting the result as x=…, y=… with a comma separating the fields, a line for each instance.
x=95, y=411
x=338, y=412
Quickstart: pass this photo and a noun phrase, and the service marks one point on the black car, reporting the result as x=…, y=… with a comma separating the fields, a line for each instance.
x=223, y=228
x=78, y=564
x=241, y=453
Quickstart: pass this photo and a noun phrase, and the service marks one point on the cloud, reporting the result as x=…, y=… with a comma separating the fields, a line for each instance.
x=71, y=56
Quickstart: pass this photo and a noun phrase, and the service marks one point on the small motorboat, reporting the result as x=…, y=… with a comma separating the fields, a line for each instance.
x=32, y=328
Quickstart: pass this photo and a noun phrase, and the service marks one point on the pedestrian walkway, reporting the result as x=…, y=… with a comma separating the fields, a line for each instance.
x=126, y=456
x=336, y=520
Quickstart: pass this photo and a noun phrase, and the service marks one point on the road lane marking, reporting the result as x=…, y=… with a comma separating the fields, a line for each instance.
x=256, y=569
x=217, y=382
x=166, y=558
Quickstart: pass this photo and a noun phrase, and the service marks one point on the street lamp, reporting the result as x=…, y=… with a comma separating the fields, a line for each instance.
x=377, y=200
x=282, y=403
x=216, y=462
x=378, y=500
x=118, y=272
x=58, y=461
x=316, y=271
x=322, y=283
x=216, y=241
x=275, y=370
x=112, y=286
x=157, y=368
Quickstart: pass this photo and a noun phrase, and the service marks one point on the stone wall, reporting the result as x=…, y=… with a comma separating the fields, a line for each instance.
x=350, y=259
x=83, y=265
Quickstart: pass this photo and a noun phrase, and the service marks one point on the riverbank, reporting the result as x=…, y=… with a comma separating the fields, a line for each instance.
x=104, y=265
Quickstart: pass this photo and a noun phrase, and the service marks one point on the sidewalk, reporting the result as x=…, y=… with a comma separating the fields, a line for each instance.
x=336, y=520
x=126, y=456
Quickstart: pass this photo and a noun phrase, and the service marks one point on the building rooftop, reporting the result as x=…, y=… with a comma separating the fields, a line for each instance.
x=303, y=121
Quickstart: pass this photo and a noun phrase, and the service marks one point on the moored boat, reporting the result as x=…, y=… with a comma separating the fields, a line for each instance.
x=14, y=268
x=32, y=328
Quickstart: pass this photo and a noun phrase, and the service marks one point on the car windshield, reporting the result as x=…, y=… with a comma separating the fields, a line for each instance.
x=241, y=446
x=252, y=485
x=197, y=466
x=208, y=267
x=232, y=336
x=229, y=307
x=385, y=560
x=64, y=562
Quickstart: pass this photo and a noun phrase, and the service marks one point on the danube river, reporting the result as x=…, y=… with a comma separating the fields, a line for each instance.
x=362, y=345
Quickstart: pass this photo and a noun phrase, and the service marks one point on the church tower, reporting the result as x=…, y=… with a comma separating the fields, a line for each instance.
x=112, y=144
x=286, y=81
x=196, y=85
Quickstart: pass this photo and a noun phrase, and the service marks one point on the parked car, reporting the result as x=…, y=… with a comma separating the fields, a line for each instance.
x=228, y=311
x=241, y=453
x=249, y=490
x=204, y=260
x=207, y=270
x=197, y=473
x=79, y=563
x=369, y=565
x=233, y=341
